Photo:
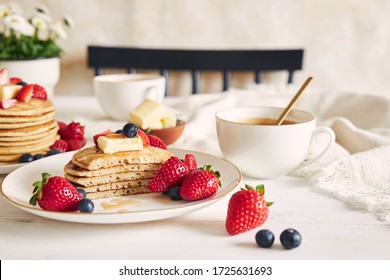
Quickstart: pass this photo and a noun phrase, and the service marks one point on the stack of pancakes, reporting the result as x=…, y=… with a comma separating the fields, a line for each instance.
x=27, y=128
x=123, y=173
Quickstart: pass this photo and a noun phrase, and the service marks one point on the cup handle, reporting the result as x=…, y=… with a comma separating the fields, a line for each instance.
x=152, y=93
x=332, y=139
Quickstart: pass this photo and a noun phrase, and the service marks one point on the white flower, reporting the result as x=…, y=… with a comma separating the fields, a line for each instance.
x=68, y=20
x=39, y=23
x=58, y=30
x=9, y=8
x=19, y=24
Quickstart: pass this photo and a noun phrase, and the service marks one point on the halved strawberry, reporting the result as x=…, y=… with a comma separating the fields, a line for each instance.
x=104, y=133
x=156, y=142
x=144, y=137
x=15, y=80
x=3, y=76
x=25, y=93
x=7, y=103
x=39, y=92
x=190, y=162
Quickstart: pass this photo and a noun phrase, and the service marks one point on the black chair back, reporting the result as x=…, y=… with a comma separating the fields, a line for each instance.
x=164, y=60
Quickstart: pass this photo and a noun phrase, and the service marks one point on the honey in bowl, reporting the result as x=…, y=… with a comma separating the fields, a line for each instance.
x=263, y=121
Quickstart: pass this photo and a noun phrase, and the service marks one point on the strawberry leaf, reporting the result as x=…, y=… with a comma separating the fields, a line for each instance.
x=37, y=191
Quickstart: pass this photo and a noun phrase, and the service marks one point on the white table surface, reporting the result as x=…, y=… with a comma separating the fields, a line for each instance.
x=330, y=228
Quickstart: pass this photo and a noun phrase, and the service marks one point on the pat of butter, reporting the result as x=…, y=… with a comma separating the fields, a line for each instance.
x=113, y=143
x=169, y=120
x=9, y=91
x=148, y=113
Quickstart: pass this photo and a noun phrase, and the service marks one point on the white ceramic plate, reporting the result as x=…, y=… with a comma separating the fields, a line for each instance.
x=7, y=168
x=17, y=189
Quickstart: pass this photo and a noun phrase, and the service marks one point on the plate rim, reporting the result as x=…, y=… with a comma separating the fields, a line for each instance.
x=194, y=204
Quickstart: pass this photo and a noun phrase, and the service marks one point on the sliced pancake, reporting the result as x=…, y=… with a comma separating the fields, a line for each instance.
x=32, y=130
x=26, y=119
x=34, y=107
x=108, y=179
x=119, y=192
x=75, y=170
x=93, y=158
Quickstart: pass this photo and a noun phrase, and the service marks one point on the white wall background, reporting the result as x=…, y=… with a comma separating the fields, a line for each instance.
x=346, y=42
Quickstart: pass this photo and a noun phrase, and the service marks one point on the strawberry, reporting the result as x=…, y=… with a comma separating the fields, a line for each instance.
x=171, y=173
x=190, y=162
x=144, y=137
x=200, y=184
x=62, y=127
x=247, y=210
x=25, y=93
x=55, y=194
x=15, y=80
x=76, y=144
x=3, y=76
x=60, y=145
x=156, y=142
x=104, y=133
x=7, y=103
x=73, y=130
x=39, y=92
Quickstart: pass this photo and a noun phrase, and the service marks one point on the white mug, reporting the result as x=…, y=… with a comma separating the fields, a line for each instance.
x=267, y=151
x=118, y=94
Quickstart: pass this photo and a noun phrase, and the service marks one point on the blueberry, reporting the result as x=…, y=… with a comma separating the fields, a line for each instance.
x=173, y=193
x=290, y=238
x=130, y=130
x=21, y=83
x=26, y=158
x=119, y=131
x=53, y=152
x=265, y=238
x=82, y=192
x=39, y=156
x=85, y=205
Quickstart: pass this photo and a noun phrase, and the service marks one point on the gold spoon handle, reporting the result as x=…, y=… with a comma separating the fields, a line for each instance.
x=293, y=101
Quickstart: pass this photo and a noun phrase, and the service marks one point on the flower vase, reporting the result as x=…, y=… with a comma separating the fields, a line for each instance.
x=42, y=71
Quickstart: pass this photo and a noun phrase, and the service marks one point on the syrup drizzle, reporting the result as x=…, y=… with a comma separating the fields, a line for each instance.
x=119, y=204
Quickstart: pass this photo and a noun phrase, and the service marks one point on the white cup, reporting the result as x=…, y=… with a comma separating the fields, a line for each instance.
x=268, y=151
x=118, y=94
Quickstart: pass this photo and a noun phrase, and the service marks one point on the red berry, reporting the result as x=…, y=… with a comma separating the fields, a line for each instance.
x=144, y=137
x=62, y=127
x=171, y=173
x=55, y=194
x=60, y=145
x=247, y=210
x=73, y=131
x=39, y=92
x=25, y=93
x=76, y=144
x=7, y=103
x=15, y=80
x=3, y=76
x=96, y=136
x=156, y=142
x=200, y=184
x=190, y=162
